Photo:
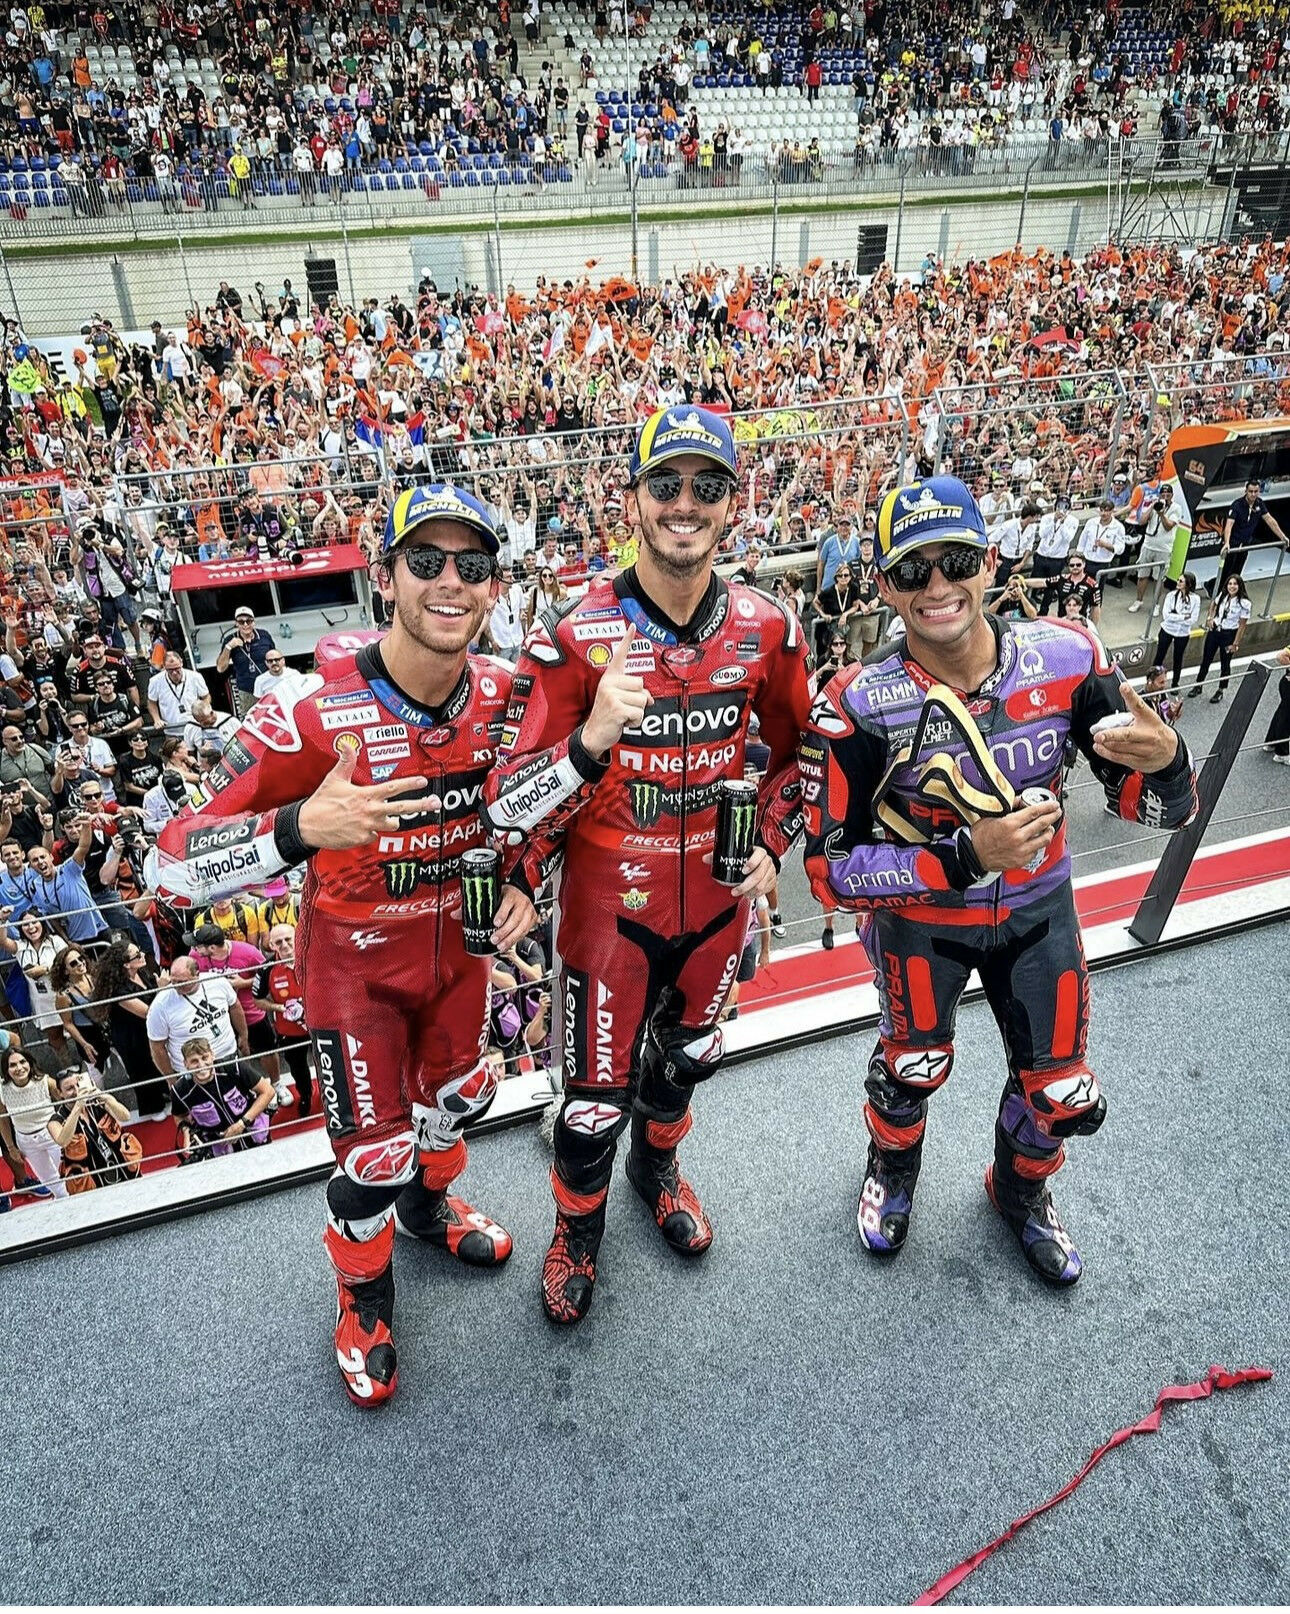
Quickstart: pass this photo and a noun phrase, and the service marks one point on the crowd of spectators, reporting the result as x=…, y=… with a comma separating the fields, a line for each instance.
x=103, y=105
x=266, y=425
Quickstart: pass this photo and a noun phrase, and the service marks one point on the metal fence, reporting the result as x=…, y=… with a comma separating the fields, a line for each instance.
x=38, y=205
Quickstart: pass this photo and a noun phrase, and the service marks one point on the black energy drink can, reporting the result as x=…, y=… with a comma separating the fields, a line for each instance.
x=1036, y=796
x=479, y=897
x=736, y=824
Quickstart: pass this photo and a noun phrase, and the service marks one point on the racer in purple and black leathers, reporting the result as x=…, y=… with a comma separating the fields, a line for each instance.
x=900, y=828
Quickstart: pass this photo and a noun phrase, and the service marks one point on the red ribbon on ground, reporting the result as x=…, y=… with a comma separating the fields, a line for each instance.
x=1218, y=1379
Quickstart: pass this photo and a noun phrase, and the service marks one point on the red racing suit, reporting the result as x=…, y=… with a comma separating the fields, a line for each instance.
x=397, y=1009
x=649, y=942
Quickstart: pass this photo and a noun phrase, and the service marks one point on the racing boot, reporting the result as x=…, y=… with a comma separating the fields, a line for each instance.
x=427, y=1210
x=653, y=1172
x=444, y=1220
x=1029, y=1211
x=569, y=1269
x=365, y=1350
x=886, y=1198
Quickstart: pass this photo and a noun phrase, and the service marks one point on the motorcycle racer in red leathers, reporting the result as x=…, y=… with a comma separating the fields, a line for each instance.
x=375, y=776
x=630, y=707
x=913, y=772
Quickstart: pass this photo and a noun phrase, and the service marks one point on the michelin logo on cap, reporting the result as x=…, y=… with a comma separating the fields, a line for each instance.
x=669, y=433
x=937, y=509
x=439, y=501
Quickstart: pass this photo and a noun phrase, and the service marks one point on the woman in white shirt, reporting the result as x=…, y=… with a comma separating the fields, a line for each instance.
x=27, y=1106
x=1180, y=615
x=1228, y=614
x=36, y=948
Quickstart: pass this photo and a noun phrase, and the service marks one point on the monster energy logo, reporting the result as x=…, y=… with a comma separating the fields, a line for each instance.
x=743, y=820
x=649, y=801
x=477, y=891
x=405, y=874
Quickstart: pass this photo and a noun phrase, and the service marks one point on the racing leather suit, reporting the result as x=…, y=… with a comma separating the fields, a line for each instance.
x=649, y=942
x=398, y=1010
x=932, y=912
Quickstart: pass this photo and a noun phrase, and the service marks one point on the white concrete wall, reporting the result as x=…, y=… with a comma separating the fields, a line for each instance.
x=55, y=296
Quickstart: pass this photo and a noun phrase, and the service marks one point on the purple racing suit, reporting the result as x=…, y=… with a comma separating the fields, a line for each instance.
x=885, y=838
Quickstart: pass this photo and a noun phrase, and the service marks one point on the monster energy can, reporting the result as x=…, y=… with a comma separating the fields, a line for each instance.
x=479, y=897
x=736, y=821
x=1036, y=796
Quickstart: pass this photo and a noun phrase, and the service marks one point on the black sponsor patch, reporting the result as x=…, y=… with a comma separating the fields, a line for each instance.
x=332, y=1083
x=204, y=839
x=235, y=757
x=573, y=1023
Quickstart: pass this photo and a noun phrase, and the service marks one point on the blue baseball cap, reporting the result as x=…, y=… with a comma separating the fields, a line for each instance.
x=438, y=501
x=669, y=433
x=935, y=510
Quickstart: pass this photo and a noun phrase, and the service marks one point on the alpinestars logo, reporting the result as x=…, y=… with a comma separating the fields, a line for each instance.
x=363, y=939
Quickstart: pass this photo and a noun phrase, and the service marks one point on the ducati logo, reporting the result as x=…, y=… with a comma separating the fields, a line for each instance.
x=363, y=939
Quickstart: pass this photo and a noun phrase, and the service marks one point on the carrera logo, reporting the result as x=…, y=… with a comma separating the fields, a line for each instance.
x=389, y=753
x=347, y=716
x=725, y=676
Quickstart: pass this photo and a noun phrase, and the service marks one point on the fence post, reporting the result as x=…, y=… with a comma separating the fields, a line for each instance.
x=349, y=267
x=774, y=221
x=900, y=222
x=183, y=263
x=497, y=235
x=1025, y=197
x=13, y=295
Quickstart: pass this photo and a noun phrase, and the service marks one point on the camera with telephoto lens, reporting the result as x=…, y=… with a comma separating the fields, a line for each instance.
x=133, y=839
x=176, y=791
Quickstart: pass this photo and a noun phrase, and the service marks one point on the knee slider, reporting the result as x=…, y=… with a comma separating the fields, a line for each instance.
x=924, y=1069
x=895, y=1114
x=359, y=1211
x=1065, y=1102
x=686, y=1056
x=464, y=1099
x=380, y=1161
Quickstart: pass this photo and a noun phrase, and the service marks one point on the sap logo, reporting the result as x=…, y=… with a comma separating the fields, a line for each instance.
x=724, y=676
x=346, y=716
x=385, y=771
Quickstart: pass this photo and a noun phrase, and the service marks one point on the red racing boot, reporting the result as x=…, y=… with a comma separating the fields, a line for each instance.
x=426, y=1210
x=364, y=1314
x=569, y=1269
x=653, y=1172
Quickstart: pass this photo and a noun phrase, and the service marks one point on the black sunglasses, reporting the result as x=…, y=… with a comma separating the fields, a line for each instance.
x=426, y=561
x=956, y=564
x=708, y=487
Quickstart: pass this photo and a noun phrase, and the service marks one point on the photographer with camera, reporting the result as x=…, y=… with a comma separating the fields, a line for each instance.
x=24, y=816
x=88, y=1125
x=1161, y=509
x=1015, y=600
x=49, y=726
x=20, y=760
x=242, y=653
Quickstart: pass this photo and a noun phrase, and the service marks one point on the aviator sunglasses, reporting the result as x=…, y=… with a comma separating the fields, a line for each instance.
x=426, y=561
x=708, y=487
x=956, y=564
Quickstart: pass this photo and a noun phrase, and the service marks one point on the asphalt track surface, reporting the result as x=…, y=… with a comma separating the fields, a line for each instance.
x=783, y=1421
x=1256, y=799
